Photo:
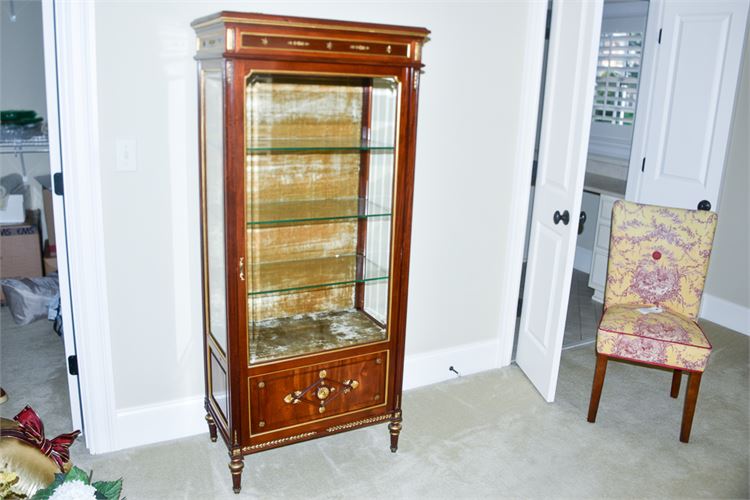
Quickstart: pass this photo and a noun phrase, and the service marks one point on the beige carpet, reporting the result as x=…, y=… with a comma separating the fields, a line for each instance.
x=491, y=436
x=484, y=436
x=33, y=372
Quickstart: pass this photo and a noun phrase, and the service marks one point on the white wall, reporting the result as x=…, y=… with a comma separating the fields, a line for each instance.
x=727, y=294
x=22, y=83
x=466, y=155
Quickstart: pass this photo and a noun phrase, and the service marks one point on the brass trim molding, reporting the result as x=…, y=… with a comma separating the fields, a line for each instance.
x=274, y=442
x=357, y=423
x=230, y=39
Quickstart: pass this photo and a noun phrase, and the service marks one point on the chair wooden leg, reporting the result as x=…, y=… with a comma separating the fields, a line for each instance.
x=596, y=387
x=676, y=378
x=694, y=383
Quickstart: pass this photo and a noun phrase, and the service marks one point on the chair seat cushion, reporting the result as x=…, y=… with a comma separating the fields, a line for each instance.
x=664, y=338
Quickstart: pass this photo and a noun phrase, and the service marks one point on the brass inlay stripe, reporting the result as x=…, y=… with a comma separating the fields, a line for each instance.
x=357, y=423
x=278, y=441
x=299, y=42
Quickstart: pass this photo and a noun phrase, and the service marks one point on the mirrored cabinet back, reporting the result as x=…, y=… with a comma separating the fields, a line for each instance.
x=307, y=144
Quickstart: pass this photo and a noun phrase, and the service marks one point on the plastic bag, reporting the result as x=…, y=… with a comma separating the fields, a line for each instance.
x=29, y=298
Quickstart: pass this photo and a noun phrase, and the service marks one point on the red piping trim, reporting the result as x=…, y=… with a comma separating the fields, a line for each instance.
x=709, y=347
x=599, y=327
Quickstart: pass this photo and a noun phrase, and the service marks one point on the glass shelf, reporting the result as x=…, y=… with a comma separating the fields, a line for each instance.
x=313, y=144
x=293, y=275
x=313, y=332
x=314, y=210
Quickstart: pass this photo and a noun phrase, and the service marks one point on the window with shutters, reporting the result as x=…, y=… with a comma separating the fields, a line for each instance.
x=618, y=72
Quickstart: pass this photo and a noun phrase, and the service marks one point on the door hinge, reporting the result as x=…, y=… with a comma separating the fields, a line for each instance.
x=643, y=164
x=73, y=365
x=57, y=181
x=659, y=36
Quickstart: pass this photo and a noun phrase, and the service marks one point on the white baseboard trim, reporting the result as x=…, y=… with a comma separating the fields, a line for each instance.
x=432, y=367
x=725, y=313
x=141, y=425
x=582, y=261
x=148, y=424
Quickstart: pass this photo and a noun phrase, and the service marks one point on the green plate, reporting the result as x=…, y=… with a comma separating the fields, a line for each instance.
x=19, y=117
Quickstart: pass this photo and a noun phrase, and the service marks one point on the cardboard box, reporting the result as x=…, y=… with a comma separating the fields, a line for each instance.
x=20, y=251
x=50, y=263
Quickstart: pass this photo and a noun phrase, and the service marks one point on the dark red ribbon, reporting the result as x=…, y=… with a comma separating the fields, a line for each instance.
x=31, y=430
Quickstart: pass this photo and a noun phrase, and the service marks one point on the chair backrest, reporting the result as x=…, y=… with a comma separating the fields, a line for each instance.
x=659, y=256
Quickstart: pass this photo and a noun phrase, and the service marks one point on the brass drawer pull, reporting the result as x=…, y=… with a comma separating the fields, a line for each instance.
x=322, y=392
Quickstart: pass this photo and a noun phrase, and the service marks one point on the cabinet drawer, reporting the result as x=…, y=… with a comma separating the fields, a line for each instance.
x=291, y=397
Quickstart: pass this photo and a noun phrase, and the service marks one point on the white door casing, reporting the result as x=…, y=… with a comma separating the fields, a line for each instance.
x=70, y=67
x=684, y=118
x=566, y=122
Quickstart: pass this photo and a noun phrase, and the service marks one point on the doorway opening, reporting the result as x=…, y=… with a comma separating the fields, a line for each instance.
x=34, y=345
x=613, y=116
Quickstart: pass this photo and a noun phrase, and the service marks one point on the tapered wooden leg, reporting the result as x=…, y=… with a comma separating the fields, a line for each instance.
x=211, y=427
x=694, y=384
x=395, y=429
x=235, y=466
x=676, y=378
x=596, y=387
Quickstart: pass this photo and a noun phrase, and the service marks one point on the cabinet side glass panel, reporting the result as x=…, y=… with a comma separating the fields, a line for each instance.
x=219, y=387
x=320, y=158
x=213, y=140
x=380, y=189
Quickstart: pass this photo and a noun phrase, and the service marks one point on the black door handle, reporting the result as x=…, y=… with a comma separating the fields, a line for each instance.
x=564, y=217
x=704, y=205
x=581, y=221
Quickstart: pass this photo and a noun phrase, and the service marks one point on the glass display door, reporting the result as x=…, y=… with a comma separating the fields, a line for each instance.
x=321, y=153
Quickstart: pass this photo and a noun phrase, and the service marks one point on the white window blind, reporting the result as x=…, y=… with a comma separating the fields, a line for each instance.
x=618, y=71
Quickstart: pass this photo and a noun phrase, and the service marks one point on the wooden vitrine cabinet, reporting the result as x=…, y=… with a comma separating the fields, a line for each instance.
x=307, y=144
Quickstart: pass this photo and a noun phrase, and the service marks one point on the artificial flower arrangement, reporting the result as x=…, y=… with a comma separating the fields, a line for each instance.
x=77, y=485
x=34, y=467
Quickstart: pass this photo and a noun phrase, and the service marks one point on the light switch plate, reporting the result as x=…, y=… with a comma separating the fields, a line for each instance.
x=127, y=155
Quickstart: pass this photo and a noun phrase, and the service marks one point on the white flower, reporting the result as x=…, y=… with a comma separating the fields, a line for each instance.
x=74, y=490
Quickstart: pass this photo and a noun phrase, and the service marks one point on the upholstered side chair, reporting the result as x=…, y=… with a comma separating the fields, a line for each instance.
x=658, y=260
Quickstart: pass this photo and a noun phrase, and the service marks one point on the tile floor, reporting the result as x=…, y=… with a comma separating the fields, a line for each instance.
x=583, y=313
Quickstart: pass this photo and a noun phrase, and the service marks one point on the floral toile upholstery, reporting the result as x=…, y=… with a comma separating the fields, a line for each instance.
x=665, y=339
x=658, y=257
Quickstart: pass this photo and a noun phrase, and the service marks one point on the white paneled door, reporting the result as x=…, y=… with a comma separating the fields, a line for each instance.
x=566, y=120
x=693, y=63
